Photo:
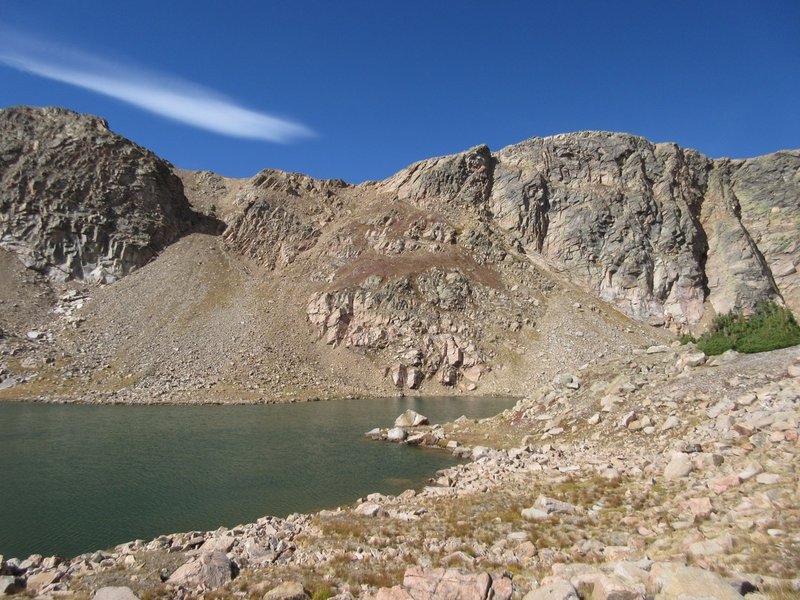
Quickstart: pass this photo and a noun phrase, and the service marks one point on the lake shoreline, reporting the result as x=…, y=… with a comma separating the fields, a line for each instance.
x=636, y=479
x=64, y=400
x=249, y=457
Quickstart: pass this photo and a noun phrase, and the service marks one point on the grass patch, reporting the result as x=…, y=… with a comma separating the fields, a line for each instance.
x=770, y=327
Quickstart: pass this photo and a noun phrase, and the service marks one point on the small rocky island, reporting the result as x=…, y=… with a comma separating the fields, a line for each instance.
x=573, y=272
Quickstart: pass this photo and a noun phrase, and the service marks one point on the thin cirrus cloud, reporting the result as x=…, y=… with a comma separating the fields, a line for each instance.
x=157, y=93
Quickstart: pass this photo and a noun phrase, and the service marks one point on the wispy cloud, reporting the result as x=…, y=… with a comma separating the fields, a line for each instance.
x=162, y=94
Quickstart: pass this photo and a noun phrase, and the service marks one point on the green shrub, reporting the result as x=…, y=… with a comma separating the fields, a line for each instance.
x=770, y=327
x=686, y=338
x=322, y=594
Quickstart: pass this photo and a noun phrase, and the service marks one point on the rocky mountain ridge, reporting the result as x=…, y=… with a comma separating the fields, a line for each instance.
x=479, y=271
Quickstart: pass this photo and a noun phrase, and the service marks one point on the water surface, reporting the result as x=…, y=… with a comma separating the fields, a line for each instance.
x=76, y=478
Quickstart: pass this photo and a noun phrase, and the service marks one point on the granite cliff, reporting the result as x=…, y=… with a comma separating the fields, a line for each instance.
x=485, y=272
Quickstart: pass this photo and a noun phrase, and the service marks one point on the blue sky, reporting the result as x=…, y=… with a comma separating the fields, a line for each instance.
x=359, y=90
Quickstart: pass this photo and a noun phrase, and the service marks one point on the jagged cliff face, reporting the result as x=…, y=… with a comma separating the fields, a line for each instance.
x=477, y=271
x=660, y=232
x=79, y=202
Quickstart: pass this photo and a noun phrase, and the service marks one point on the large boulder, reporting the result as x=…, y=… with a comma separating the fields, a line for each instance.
x=673, y=581
x=396, y=434
x=8, y=585
x=555, y=590
x=447, y=584
x=115, y=593
x=209, y=570
x=288, y=590
x=410, y=418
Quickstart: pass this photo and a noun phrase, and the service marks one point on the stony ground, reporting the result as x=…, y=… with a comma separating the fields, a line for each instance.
x=664, y=473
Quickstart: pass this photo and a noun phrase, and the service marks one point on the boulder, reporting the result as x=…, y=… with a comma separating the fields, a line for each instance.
x=701, y=508
x=567, y=380
x=374, y=433
x=657, y=349
x=445, y=584
x=670, y=423
x=288, y=590
x=410, y=418
x=396, y=434
x=611, y=588
x=36, y=583
x=544, y=507
x=399, y=373
x=115, y=593
x=693, y=359
x=553, y=506
x=368, y=509
x=8, y=585
x=448, y=375
x=222, y=544
x=211, y=570
x=414, y=378
x=673, y=581
x=393, y=593
x=534, y=514
x=473, y=373
x=555, y=590
x=720, y=545
x=679, y=466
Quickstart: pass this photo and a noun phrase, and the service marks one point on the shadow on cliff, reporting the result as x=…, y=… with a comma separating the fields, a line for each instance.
x=207, y=224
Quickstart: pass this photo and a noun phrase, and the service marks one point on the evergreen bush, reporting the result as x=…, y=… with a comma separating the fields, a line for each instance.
x=770, y=327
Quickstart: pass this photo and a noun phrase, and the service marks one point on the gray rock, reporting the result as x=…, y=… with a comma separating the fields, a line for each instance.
x=39, y=581
x=396, y=434
x=657, y=349
x=115, y=593
x=679, y=466
x=479, y=451
x=445, y=584
x=374, y=433
x=693, y=359
x=553, y=506
x=568, y=380
x=8, y=585
x=718, y=546
x=288, y=590
x=556, y=590
x=368, y=509
x=670, y=423
x=534, y=514
x=672, y=581
x=222, y=544
x=410, y=418
x=768, y=478
x=208, y=570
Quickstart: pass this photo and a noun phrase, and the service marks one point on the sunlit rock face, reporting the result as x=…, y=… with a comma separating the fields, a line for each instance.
x=80, y=202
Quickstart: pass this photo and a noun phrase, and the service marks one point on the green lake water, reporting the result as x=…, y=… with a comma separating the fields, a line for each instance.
x=77, y=478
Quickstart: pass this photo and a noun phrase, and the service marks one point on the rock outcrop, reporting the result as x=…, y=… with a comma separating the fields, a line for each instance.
x=80, y=202
x=281, y=215
x=658, y=231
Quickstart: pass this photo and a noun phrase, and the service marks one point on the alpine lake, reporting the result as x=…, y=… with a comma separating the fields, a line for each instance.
x=78, y=478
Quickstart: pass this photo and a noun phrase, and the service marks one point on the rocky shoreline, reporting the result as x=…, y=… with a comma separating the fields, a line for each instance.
x=665, y=474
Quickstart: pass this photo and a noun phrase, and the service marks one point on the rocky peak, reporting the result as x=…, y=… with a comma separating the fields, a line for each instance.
x=80, y=202
x=460, y=181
